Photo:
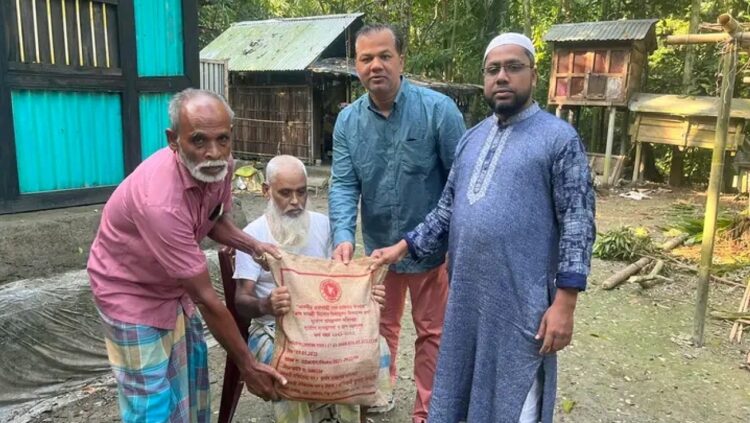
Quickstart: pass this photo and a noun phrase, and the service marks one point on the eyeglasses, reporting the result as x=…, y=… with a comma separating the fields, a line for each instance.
x=510, y=68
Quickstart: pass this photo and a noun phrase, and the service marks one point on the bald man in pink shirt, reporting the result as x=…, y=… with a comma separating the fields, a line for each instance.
x=148, y=272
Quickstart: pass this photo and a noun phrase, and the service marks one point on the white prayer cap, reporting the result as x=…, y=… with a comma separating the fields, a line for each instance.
x=511, y=38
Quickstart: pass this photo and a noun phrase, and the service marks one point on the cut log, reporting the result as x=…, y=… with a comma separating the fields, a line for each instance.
x=621, y=276
x=653, y=277
x=694, y=269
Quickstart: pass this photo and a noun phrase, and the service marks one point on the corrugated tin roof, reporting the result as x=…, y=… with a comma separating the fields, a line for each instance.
x=622, y=30
x=686, y=105
x=277, y=44
x=339, y=66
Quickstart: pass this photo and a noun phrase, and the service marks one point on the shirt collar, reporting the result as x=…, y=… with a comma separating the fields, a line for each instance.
x=401, y=96
x=520, y=116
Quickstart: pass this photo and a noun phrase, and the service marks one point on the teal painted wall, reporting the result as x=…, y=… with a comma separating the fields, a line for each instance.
x=154, y=120
x=67, y=140
x=158, y=33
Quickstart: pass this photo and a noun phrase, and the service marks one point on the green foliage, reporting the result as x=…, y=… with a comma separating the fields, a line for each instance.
x=688, y=220
x=623, y=244
x=445, y=39
x=215, y=16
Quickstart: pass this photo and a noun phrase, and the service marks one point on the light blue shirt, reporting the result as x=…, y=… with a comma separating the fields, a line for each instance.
x=396, y=166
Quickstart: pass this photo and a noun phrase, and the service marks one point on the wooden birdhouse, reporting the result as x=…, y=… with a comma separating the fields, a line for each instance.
x=599, y=63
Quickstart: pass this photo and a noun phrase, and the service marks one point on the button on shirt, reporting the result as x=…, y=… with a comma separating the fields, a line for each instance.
x=148, y=240
x=396, y=165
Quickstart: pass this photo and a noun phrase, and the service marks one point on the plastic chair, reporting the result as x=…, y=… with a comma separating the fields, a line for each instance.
x=233, y=384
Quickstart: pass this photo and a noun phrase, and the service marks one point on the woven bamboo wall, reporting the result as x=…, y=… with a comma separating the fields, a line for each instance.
x=271, y=120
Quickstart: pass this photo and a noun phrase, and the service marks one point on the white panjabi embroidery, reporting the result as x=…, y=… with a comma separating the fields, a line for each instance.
x=485, y=167
x=493, y=147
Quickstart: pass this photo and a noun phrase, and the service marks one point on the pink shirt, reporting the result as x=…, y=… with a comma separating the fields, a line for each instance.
x=148, y=240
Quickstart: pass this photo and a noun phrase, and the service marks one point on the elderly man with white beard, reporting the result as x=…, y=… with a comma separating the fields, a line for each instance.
x=287, y=224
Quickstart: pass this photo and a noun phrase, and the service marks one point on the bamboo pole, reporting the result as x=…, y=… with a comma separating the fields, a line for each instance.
x=49, y=33
x=610, y=143
x=20, y=32
x=36, y=32
x=728, y=73
x=78, y=25
x=93, y=32
x=743, y=304
x=106, y=37
x=705, y=38
x=637, y=164
x=65, y=33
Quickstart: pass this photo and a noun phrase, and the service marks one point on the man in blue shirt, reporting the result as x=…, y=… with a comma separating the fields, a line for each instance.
x=392, y=151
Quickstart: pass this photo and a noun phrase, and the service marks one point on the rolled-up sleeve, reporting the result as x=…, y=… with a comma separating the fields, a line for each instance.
x=168, y=233
x=574, y=199
x=345, y=188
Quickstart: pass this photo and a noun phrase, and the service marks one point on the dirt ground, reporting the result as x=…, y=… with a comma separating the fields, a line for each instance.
x=630, y=359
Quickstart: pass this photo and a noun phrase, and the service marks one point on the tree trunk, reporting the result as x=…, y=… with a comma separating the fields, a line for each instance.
x=650, y=171
x=687, y=73
x=452, y=44
x=624, y=136
x=604, y=13
x=407, y=25
x=565, y=11
x=677, y=167
x=596, y=129
x=527, y=18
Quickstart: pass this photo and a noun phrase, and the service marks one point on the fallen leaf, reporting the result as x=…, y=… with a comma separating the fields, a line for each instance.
x=567, y=405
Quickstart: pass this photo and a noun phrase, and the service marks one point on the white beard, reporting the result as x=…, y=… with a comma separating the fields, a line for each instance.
x=195, y=169
x=290, y=232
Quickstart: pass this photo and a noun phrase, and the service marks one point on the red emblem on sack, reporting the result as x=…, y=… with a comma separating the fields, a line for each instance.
x=330, y=290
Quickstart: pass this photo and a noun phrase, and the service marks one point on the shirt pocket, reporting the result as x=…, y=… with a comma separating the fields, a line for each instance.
x=418, y=155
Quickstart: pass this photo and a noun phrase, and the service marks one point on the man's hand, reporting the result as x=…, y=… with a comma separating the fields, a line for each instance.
x=343, y=252
x=260, y=249
x=261, y=380
x=378, y=294
x=280, y=301
x=389, y=255
x=557, y=323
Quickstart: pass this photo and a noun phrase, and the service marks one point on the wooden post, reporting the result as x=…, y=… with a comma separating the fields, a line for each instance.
x=610, y=143
x=558, y=112
x=571, y=116
x=637, y=164
x=728, y=73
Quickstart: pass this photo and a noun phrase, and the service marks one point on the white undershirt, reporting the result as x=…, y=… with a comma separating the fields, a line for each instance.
x=318, y=245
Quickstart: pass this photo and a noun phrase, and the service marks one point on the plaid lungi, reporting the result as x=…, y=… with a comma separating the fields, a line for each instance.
x=162, y=375
x=260, y=340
